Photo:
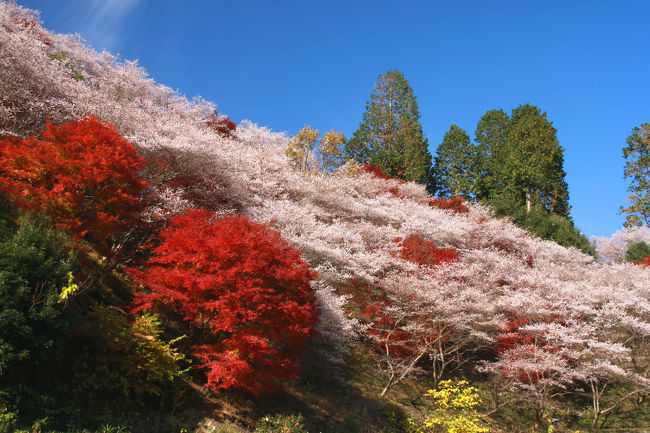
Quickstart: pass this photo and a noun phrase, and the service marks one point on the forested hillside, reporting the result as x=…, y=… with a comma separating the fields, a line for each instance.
x=162, y=268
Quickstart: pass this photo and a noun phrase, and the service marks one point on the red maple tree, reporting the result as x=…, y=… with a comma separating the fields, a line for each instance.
x=643, y=262
x=222, y=125
x=242, y=285
x=84, y=175
x=455, y=204
x=418, y=250
x=513, y=337
x=375, y=171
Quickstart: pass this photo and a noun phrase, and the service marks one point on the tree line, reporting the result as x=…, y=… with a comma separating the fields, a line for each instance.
x=514, y=164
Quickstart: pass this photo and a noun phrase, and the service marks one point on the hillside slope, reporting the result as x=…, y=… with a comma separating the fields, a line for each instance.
x=533, y=316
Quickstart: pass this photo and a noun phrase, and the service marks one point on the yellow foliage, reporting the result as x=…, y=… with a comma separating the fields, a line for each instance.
x=330, y=150
x=135, y=358
x=68, y=289
x=304, y=147
x=300, y=149
x=455, y=410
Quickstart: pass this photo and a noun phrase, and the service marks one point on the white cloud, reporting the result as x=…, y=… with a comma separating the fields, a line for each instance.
x=100, y=22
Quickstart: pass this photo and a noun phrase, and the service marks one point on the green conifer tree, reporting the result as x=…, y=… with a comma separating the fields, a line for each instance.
x=390, y=135
x=490, y=138
x=532, y=164
x=454, y=166
x=637, y=168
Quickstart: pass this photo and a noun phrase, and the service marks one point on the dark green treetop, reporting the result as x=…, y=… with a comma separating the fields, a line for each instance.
x=637, y=168
x=453, y=170
x=532, y=164
x=637, y=251
x=490, y=138
x=390, y=135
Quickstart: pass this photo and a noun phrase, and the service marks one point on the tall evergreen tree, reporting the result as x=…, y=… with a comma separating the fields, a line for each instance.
x=453, y=170
x=637, y=168
x=533, y=165
x=490, y=138
x=390, y=135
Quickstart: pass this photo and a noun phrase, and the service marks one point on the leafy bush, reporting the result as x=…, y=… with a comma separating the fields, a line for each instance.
x=546, y=226
x=644, y=262
x=221, y=124
x=35, y=264
x=243, y=287
x=637, y=251
x=375, y=171
x=83, y=175
x=281, y=424
x=133, y=359
x=454, y=410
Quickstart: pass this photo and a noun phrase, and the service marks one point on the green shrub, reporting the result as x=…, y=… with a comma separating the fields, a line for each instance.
x=350, y=425
x=134, y=360
x=281, y=424
x=36, y=262
x=544, y=225
x=637, y=251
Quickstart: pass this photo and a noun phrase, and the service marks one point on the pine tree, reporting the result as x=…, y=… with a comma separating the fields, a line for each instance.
x=390, y=135
x=453, y=170
x=637, y=168
x=490, y=138
x=532, y=166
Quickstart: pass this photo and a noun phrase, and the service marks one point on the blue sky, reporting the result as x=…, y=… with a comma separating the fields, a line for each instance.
x=284, y=64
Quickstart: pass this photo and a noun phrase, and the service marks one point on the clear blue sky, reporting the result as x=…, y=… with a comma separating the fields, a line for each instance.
x=284, y=64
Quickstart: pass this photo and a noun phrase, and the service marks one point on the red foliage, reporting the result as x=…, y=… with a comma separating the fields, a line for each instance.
x=374, y=170
x=643, y=262
x=529, y=261
x=82, y=174
x=221, y=124
x=393, y=333
x=244, y=284
x=512, y=336
x=32, y=25
x=386, y=330
x=454, y=204
x=423, y=252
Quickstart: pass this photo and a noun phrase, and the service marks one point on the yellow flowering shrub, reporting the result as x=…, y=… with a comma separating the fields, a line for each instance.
x=454, y=410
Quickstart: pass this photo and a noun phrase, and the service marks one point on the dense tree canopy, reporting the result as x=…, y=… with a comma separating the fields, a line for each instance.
x=454, y=167
x=390, y=135
x=490, y=138
x=533, y=164
x=637, y=169
x=83, y=174
x=516, y=158
x=447, y=280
